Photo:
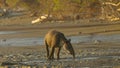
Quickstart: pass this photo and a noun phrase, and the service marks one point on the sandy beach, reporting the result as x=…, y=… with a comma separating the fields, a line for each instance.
x=95, y=52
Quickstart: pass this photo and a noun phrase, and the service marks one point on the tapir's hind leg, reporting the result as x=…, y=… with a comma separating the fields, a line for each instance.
x=47, y=48
x=51, y=56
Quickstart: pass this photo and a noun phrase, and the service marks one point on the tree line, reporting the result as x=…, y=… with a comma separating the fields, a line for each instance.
x=62, y=8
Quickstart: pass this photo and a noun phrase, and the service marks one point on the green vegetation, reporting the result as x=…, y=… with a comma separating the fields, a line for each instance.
x=58, y=4
x=65, y=8
x=12, y=2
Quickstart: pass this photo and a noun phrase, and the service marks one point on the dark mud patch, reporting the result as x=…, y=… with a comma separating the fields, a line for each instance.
x=87, y=56
x=88, y=62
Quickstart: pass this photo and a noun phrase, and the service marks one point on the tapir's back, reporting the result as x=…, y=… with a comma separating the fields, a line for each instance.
x=53, y=37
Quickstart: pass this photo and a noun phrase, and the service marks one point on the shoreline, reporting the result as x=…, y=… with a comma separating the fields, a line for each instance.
x=69, y=29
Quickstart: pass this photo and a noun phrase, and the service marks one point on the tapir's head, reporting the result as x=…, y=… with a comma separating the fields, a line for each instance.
x=68, y=47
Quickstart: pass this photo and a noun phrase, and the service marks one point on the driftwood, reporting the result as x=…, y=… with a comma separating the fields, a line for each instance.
x=108, y=11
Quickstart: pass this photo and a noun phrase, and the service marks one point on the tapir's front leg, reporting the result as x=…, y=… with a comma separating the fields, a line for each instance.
x=58, y=52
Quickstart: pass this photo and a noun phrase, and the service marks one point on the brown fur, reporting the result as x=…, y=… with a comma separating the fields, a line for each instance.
x=55, y=40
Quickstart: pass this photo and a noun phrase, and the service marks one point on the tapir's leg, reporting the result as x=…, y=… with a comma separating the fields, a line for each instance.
x=47, y=49
x=51, y=56
x=58, y=52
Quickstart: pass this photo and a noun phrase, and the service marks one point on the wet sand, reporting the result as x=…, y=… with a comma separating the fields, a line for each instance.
x=88, y=55
x=68, y=28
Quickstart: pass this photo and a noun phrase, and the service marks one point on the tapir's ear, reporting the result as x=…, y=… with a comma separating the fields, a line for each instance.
x=69, y=40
